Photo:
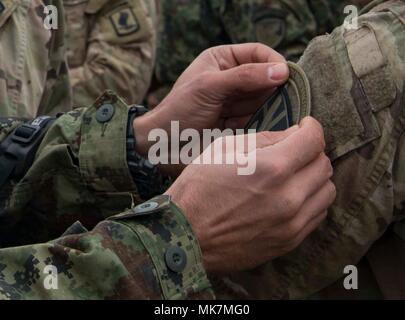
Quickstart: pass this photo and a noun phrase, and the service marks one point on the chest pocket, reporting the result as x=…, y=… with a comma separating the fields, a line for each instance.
x=78, y=29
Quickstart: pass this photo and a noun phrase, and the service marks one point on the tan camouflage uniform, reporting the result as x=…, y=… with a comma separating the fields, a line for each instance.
x=33, y=72
x=357, y=80
x=111, y=45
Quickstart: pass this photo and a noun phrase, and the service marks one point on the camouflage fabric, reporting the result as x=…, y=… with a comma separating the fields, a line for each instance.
x=111, y=45
x=80, y=173
x=29, y=84
x=189, y=27
x=357, y=80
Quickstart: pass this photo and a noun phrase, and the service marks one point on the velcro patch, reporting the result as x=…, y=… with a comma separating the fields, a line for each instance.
x=124, y=22
x=362, y=44
x=287, y=106
x=371, y=67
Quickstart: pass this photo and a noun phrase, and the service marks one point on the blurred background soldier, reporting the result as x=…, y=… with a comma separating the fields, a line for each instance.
x=29, y=84
x=111, y=45
x=189, y=27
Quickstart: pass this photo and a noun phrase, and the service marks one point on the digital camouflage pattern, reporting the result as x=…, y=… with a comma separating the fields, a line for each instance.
x=80, y=173
x=111, y=45
x=189, y=27
x=33, y=72
x=357, y=80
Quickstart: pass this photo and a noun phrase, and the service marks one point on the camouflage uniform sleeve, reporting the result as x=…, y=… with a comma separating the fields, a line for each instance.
x=357, y=80
x=147, y=253
x=80, y=174
x=119, y=49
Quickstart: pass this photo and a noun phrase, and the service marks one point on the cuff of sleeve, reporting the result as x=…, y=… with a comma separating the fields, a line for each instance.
x=172, y=246
x=102, y=155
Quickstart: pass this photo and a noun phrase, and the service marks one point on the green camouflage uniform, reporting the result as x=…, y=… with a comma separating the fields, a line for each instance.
x=111, y=45
x=29, y=84
x=189, y=27
x=80, y=173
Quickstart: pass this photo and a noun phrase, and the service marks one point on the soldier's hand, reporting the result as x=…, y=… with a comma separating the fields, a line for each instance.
x=222, y=88
x=245, y=221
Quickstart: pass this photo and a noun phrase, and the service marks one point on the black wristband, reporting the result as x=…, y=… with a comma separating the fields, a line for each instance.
x=147, y=177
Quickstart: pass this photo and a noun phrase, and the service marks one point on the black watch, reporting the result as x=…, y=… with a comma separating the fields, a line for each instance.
x=147, y=177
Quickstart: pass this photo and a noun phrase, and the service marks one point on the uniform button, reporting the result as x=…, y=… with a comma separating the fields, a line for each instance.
x=105, y=113
x=146, y=207
x=176, y=259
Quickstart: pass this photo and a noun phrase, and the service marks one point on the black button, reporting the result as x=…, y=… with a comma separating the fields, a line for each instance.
x=176, y=259
x=105, y=113
x=2, y=7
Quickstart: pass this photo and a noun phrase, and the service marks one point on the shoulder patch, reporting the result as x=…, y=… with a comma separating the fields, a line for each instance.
x=124, y=21
x=287, y=106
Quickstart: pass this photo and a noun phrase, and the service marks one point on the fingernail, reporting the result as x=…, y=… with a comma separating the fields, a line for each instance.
x=278, y=71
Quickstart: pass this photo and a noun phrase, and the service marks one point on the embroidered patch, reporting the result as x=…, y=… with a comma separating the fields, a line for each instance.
x=124, y=22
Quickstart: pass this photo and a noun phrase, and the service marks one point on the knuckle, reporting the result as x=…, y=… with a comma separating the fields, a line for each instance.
x=316, y=134
x=327, y=165
x=266, y=136
x=245, y=73
x=278, y=170
x=203, y=81
x=332, y=191
x=290, y=205
x=260, y=46
x=292, y=231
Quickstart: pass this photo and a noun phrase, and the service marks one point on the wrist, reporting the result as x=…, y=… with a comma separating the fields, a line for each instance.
x=181, y=195
x=142, y=127
x=141, y=132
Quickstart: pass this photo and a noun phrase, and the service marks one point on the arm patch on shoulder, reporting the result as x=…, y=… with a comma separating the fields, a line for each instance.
x=124, y=21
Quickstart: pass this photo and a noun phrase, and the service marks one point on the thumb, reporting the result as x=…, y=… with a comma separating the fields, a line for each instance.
x=251, y=77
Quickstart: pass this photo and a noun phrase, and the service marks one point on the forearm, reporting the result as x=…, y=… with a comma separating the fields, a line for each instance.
x=80, y=172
